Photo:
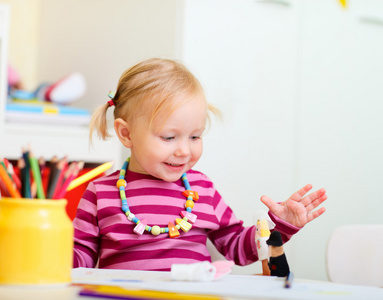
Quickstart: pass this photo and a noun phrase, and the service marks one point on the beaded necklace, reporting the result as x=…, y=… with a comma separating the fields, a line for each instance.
x=141, y=225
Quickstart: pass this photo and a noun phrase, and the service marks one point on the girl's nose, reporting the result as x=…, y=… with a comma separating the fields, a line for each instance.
x=183, y=148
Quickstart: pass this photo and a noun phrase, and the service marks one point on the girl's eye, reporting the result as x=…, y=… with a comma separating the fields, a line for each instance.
x=195, y=137
x=167, y=138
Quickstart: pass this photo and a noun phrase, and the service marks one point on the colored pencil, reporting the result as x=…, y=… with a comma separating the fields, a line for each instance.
x=3, y=189
x=8, y=182
x=116, y=292
x=52, y=168
x=72, y=174
x=289, y=280
x=27, y=192
x=90, y=175
x=15, y=176
x=24, y=184
x=36, y=176
x=12, y=174
x=58, y=177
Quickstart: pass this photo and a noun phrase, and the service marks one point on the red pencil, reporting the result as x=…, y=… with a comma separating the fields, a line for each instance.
x=8, y=183
x=57, y=179
x=72, y=175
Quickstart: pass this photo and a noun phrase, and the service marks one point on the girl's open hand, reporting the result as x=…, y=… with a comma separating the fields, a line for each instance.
x=298, y=210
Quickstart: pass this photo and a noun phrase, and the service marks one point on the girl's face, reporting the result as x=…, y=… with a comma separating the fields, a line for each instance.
x=167, y=151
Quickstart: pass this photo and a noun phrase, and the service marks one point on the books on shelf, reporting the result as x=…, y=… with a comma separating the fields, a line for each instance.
x=30, y=111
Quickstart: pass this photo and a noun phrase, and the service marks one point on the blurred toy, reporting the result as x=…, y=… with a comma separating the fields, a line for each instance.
x=202, y=271
x=263, y=225
x=14, y=80
x=64, y=91
x=277, y=262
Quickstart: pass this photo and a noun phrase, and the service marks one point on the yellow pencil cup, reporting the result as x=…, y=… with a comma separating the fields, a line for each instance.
x=36, y=242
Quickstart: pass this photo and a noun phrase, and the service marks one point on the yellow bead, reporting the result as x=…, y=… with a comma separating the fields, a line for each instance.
x=185, y=226
x=156, y=230
x=189, y=203
x=121, y=182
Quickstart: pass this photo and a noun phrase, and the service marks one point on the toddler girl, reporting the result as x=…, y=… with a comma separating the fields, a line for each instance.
x=156, y=210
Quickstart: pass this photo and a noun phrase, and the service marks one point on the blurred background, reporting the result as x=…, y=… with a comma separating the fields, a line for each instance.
x=299, y=83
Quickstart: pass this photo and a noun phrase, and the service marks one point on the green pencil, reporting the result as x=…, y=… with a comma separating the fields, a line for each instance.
x=37, y=176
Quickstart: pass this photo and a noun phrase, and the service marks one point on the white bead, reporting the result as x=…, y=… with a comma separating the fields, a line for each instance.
x=131, y=217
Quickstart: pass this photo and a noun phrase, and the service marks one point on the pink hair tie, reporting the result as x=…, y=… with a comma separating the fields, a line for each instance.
x=111, y=96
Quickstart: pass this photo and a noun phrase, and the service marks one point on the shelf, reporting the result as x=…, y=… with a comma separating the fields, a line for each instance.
x=47, y=139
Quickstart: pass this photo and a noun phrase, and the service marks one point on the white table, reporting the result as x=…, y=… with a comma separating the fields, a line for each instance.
x=230, y=287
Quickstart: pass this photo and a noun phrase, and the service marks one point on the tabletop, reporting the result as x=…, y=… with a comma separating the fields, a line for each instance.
x=230, y=287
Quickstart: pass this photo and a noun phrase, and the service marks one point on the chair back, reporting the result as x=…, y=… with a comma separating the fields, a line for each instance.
x=354, y=255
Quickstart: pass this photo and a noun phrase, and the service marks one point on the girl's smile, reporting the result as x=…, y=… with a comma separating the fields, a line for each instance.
x=175, y=147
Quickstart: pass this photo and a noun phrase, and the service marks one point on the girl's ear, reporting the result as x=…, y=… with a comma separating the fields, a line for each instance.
x=122, y=129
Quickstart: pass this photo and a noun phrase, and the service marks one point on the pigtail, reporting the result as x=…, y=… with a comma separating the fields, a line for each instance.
x=99, y=124
x=215, y=111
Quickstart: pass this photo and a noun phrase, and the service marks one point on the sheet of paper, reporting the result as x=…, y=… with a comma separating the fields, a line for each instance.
x=246, y=286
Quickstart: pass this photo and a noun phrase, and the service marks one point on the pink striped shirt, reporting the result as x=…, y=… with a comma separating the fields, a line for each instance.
x=104, y=234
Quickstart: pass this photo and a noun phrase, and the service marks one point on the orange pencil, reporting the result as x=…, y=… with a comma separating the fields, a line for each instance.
x=8, y=183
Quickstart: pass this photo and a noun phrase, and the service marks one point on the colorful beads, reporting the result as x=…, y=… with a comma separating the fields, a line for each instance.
x=156, y=230
x=192, y=194
x=185, y=226
x=172, y=230
x=121, y=183
x=189, y=203
x=189, y=216
x=131, y=216
x=140, y=228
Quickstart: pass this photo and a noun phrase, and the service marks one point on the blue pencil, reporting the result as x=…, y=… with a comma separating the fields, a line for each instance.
x=289, y=280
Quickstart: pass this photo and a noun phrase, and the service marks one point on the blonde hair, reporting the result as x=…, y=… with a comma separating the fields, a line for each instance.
x=150, y=87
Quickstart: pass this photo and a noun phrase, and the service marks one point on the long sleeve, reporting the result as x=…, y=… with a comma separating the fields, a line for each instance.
x=231, y=238
x=286, y=229
x=236, y=242
x=86, y=237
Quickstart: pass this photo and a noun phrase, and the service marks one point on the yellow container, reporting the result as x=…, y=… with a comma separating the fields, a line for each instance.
x=36, y=242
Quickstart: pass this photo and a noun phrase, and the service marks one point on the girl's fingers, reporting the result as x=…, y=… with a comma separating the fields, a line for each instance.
x=315, y=214
x=297, y=196
x=310, y=199
x=268, y=202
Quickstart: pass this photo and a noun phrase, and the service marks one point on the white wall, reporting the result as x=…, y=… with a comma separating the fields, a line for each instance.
x=300, y=85
x=250, y=74
x=341, y=124
x=101, y=40
x=298, y=82
x=25, y=16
